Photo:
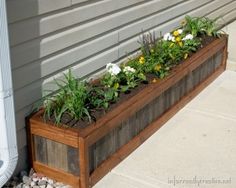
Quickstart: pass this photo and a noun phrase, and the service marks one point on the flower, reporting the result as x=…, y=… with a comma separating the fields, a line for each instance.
x=173, y=39
x=185, y=56
x=167, y=36
x=141, y=60
x=113, y=69
x=176, y=33
x=177, y=39
x=128, y=69
x=188, y=37
x=157, y=68
x=180, y=31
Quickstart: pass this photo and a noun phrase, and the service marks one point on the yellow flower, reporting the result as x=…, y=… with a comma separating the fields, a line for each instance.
x=177, y=39
x=171, y=45
x=185, y=56
x=154, y=80
x=180, y=44
x=157, y=67
x=116, y=85
x=176, y=33
x=141, y=60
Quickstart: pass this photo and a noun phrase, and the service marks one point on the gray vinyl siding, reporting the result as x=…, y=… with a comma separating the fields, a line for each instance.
x=49, y=36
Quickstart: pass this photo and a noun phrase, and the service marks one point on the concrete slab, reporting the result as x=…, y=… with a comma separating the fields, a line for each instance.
x=196, y=148
x=218, y=99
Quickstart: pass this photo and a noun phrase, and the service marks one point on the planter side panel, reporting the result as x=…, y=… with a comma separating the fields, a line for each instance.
x=131, y=127
x=56, y=155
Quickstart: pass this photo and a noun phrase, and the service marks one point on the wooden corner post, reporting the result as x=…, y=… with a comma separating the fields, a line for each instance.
x=84, y=163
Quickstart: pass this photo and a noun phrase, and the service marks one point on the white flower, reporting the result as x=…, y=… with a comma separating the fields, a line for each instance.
x=172, y=39
x=188, y=37
x=180, y=31
x=167, y=36
x=113, y=69
x=128, y=69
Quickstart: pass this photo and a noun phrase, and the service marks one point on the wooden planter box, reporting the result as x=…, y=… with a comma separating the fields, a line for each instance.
x=81, y=157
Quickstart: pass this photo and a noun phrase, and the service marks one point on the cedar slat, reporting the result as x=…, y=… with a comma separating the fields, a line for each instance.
x=64, y=136
x=84, y=163
x=57, y=174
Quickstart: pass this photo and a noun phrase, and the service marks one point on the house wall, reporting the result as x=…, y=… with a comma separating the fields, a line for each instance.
x=49, y=36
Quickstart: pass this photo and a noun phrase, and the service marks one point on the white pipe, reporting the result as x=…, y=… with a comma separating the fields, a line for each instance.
x=8, y=143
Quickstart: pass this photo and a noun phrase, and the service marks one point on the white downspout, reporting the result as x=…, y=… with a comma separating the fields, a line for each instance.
x=8, y=143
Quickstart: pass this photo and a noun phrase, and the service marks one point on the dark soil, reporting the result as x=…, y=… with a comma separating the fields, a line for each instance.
x=66, y=119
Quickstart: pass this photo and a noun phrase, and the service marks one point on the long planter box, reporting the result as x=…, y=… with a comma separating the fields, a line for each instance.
x=81, y=157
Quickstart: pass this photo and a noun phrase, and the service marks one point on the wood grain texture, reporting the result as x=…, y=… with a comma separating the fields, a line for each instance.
x=57, y=174
x=63, y=135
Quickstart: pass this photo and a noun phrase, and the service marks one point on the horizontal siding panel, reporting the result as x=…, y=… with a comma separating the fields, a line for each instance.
x=39, y=48
x=230, y=16
x=43, y=68
x=22, y=9
x=222, y=11
x=33, y=92
x=157, y=19
x=38, y=26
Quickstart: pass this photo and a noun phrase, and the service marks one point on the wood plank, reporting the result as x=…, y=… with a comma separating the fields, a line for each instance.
x=40, y=146
x=65, y=136
x=84, y=163
x=57, y=155
x=121, y=154
x=73, y=160
x=57, y=174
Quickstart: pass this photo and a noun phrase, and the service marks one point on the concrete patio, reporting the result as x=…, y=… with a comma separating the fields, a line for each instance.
x=196, y=148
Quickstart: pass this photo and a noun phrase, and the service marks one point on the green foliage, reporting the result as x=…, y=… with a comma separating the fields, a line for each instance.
x=100, y=97
x=201, y=26
x=70, y=99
